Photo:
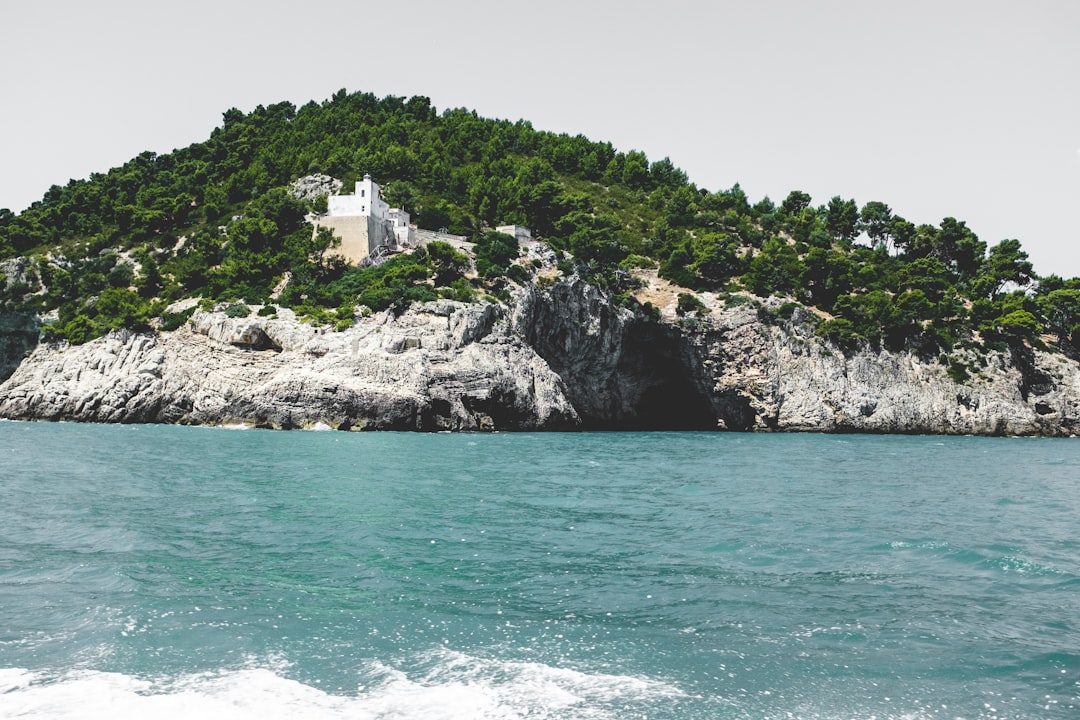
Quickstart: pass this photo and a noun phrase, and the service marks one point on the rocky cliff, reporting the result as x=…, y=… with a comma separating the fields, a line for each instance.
x=561, y=357
x=729, y=370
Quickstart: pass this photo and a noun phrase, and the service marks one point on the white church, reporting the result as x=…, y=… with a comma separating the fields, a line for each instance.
x=365, y=222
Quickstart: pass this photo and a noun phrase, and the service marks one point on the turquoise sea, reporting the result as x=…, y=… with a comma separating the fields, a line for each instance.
x=172, y=572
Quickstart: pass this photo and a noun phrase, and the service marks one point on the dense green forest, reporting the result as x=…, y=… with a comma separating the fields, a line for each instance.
x=214, y=220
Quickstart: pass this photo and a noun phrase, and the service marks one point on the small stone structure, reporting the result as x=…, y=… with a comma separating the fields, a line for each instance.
x=365, y=223
x=522, y=234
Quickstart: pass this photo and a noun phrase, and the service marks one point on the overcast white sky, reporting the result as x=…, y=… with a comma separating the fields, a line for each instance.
x=968, y=108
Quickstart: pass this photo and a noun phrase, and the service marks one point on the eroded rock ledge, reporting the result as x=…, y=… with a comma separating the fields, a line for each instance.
x=564, y=357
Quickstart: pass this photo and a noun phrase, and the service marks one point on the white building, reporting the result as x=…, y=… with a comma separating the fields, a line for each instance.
x=364, y=222
x=403, y=231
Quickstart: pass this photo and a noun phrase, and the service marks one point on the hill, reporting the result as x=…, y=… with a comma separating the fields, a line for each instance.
x=148, y=245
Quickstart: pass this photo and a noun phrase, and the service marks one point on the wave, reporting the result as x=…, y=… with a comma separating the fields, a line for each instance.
x=447, y=685
x=984, y=557
x=454, y=686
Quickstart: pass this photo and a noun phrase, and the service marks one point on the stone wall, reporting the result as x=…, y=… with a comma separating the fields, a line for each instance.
x=521, y=234
x=360, y=235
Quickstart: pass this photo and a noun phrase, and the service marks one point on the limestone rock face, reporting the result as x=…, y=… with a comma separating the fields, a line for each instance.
x=310, y=187
x=15, y=271
x=789, y=380
x=440, y=366
x=731, y=371
x=563, y=356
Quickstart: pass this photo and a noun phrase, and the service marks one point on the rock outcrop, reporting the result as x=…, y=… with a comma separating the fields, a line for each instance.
x=731, y=371
x=784, y=378
x=558, y=357
x=442, y=366
x=310, y=187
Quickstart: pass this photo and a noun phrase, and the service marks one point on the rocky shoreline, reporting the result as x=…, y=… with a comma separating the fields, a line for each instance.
x=560, y=357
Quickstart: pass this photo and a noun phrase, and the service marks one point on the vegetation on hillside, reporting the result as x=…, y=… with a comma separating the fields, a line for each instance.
x=214, y=220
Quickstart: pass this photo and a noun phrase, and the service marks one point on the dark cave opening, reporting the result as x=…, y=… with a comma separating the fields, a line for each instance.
x=673, y=404
x=662, y=380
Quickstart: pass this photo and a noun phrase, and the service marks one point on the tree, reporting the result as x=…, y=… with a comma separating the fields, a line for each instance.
x=1061, y=308
x=680, y=207
x=775, y=270
x=959, y=248
x=449, y=264
x=665, y=173
x=676, y=267
x=795, y=202
x=716, y=258
x=597, y=240
x=635, y=172
x=1006, y=263
x=869, y=313
x=926, y=274
x=842, y=219
x=874, y=219
x=1018, y=325
x=828, y=276
x=118, y=308
x=494, y=253
x=841, y=332
x=902, y=233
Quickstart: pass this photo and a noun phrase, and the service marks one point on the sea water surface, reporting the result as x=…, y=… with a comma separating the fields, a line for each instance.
x=172, y=572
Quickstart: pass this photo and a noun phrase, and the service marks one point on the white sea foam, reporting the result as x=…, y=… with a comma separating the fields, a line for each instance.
x=14, y=679
x=459, y=687
x=454, y=687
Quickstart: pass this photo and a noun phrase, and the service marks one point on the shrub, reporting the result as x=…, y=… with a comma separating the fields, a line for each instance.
x=786, y=310
x=958, y=371
x=773, y=316
x=839, y=331
x=449, y=264
x=631, y=262
x=398, y=282
x=459, y=290
x=344, y=316
x=689, y=303
x=518, y=274
x=237, y=310
x=173, y=321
